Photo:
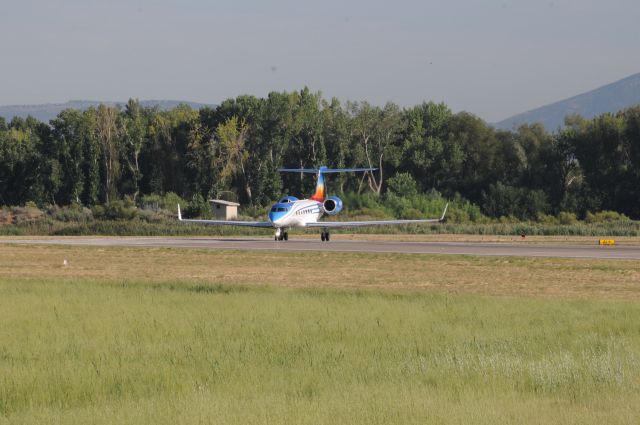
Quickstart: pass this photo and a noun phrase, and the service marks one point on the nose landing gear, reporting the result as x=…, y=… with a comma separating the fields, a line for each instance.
x=281, y=235
x=324, y=236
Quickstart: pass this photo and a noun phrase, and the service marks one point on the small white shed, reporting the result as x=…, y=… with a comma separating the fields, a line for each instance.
x=224, y=210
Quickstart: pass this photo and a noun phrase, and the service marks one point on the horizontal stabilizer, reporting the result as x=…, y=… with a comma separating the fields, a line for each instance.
x=324, y=170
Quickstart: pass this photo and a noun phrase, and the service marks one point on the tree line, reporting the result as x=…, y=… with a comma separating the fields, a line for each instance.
x=235, y=149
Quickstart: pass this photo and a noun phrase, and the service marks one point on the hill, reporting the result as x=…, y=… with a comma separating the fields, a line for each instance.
x=610, y=98
x=48, y=111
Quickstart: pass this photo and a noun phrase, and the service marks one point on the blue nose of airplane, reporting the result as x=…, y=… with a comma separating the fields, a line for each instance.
x=277, y=212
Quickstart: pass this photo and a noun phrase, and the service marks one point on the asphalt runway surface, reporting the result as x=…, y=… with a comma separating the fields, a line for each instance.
x=523, y=249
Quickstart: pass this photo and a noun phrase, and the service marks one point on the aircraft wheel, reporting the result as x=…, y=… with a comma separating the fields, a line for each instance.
x=322, y=237
x=286, y=236
x=326, y=237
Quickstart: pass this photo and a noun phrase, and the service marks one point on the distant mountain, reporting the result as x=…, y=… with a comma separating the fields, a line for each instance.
x=610, y=98
x=48, y=111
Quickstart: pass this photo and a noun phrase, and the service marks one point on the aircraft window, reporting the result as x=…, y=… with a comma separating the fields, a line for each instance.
x=274, y=209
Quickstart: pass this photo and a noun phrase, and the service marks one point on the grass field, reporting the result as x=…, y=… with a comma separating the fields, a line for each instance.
x=171, y=227
x=166, y=336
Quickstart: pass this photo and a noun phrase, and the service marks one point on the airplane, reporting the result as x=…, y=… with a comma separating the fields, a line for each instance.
x=290, y=212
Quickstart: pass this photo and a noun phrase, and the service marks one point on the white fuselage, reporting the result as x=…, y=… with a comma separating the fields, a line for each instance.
x=295, y=214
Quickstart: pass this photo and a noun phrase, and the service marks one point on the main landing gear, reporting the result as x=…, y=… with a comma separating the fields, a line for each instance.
x=281, y=235
x=324, y=236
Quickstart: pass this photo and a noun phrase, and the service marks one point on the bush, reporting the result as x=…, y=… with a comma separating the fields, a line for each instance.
x=20, y=215
x=198, y=207
x=6, y=218
x=457, y=215
x=402, y=184
x=567, y=218
x=503, y=200
x=71, y=213
x=547, y=219
x=355, y=201
x=168, y=202
x=411, y=214
x=150, y=216
x=116, y=210
x=605, y=217
x=26, y=214
x=253, y=212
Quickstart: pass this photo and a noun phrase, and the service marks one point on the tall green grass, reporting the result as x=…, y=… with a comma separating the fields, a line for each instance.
x=175, y=228
x=127, y=352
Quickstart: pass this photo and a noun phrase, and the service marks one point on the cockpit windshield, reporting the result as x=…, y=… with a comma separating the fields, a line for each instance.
x=279, y=209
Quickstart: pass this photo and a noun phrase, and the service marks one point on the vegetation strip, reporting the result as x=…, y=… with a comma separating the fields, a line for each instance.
x=182, y=352
x=108, y=163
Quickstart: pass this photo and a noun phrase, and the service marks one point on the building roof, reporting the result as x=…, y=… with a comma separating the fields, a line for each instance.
x=227, y=203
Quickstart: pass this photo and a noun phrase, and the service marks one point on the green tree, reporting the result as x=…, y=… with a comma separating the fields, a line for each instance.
x=108, y=135
x=69, y=134
x=231, y=136
x=428, y=154
x=134, y=138
x=20, y=164
x=378, y=133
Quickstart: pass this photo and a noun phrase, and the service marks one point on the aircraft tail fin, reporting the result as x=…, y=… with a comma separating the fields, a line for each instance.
x=320, y=193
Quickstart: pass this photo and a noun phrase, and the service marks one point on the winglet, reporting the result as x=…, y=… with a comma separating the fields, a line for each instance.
x=444, y=212
x=179, y=213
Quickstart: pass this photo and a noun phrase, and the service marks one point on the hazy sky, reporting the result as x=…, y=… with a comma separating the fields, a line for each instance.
x=491, y=58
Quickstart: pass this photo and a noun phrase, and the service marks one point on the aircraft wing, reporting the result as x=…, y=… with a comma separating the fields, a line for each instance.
x=264, y=224
x=341, y=224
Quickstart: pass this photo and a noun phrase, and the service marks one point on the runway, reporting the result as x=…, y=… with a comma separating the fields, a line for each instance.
x=440, y=248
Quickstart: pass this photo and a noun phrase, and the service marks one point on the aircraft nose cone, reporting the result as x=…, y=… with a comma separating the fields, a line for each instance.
x=274, y=217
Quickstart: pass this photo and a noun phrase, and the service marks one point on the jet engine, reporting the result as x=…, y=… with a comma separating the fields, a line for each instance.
x=332, y=205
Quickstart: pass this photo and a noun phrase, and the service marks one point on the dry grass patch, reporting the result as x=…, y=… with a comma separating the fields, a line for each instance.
x=538, y=277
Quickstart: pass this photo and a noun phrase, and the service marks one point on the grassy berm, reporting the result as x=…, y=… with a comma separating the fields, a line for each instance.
x=162, y=336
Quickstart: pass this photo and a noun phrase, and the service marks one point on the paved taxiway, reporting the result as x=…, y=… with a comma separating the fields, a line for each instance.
x=443, y=248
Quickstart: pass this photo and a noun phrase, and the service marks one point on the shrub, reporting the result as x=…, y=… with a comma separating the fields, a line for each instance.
x=508, y=219
x=503, y=200
x=547, y=219
x=6, y=218
x=605, y=217
x=402, y=184
x=567, y=218
x=457, y=215
x=253, y=212
x=411, y=214
x=150, y=216
x=355, y=201
x=26, y=214
x=116, y=210
x=198, y=207
x=71, y=213
x=168, y=201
